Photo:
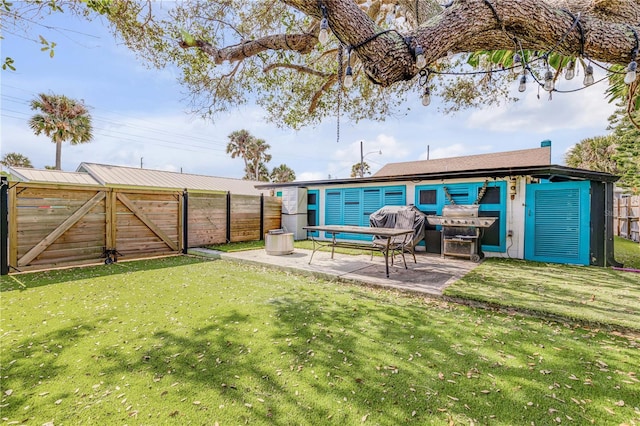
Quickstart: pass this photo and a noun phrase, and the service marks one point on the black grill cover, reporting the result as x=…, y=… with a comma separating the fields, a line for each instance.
x=386, y=218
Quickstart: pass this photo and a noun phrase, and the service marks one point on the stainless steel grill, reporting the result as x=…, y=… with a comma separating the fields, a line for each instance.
x=462, y=230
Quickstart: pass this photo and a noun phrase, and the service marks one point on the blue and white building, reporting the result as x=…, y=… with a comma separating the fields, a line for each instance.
x=546, y=213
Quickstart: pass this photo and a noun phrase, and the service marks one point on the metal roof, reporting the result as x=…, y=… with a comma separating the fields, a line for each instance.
x=109, y=175
x=27, y=174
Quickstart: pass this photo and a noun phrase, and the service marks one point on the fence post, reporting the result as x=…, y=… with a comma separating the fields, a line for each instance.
x=4, y=225
x=185, y=221
x=261, y=217
x=609, y=227
x=228, y=217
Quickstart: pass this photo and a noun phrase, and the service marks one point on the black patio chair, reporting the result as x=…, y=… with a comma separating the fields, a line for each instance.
x=405, y=219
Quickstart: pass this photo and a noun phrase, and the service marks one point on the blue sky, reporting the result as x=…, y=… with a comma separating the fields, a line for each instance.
x=139, y=114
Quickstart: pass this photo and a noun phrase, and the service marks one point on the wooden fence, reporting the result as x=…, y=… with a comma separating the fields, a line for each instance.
x=626, y=213
x=53, y=225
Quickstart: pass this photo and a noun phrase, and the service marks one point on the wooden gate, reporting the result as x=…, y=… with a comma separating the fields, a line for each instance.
x=54, y=225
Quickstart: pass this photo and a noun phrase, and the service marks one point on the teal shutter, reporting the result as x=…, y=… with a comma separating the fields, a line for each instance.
x=352, y=207
x=333, y=208
x=557, y=223
x=371, y=201
x=394, y=196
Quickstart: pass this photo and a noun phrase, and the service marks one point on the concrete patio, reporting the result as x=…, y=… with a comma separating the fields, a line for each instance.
x=430, y=275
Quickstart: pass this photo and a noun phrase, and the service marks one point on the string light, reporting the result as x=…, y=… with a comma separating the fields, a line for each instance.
x=517, y=63
x=426, y=96
x=323, y=35
x=423, y=80
x=523, y=83
x=588, y=76
x=421, y=61
x=348, y=75
x=548, y=81
x=570, y=72
x=631, y=74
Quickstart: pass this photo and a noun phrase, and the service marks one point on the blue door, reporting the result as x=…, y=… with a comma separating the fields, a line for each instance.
x=557, y=222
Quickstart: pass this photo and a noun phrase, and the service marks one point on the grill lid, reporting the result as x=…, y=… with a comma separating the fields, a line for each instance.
x=462, y=216
x=456, y=210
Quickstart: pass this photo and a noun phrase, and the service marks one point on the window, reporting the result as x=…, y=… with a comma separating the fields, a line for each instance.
x=312, y=198
x=491, y=196
x=428, y=196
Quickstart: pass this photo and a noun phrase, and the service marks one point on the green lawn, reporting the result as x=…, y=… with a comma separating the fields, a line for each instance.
x=627, y=252
x=589, y=294
x=185, y=341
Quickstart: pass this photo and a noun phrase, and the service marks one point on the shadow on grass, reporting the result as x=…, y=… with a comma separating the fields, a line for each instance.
x=246, y=345
x=56, y=276
x=341, y=361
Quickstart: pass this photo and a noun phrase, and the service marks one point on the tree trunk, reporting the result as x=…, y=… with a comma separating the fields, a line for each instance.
x=604, y=33
x=58, y=155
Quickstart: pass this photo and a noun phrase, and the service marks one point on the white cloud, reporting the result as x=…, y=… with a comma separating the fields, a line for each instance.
x=307, y=176
x=566, y=111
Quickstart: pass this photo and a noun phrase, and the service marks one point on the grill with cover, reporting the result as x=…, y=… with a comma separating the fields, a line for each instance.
x=461, y=230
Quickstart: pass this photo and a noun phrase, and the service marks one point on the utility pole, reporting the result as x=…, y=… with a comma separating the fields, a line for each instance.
x=361, y=160
x=141, y=161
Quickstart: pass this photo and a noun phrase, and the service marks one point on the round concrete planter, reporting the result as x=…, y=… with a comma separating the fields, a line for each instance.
x=278, y=244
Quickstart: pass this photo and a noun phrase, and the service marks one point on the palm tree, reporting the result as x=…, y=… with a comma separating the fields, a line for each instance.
x=262, y=175
x=596, y=153
x=13, y=159
x=62, y=119
x=282, y=173
x=238, y=143
x=257, y=157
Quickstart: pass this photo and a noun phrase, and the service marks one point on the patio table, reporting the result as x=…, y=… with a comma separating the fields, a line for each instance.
x=333, y=230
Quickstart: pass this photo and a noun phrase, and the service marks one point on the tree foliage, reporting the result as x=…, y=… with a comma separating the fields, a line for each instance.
x=62, y=119
x=255, y=154
x=282, y=173
x=261, y=175
x=617, y=153
x=360, y=169
x=14, y=159
x=229, y=52
x=627, y=155
x=595, y=153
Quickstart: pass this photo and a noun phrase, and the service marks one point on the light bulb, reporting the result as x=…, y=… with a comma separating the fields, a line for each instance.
x=421, y=62
x=548, y=81
x=426, y=97
x=631, y=75
x=588, y=76
x=523, y=83
x=323, y=36
x=348, y=77
x=570, y=72
x=517, y=63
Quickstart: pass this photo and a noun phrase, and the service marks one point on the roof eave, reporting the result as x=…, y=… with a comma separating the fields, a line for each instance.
x=535, y=171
